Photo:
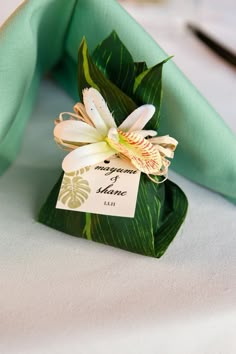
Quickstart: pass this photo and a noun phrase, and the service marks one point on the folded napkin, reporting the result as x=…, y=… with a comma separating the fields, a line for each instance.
x=44, y=36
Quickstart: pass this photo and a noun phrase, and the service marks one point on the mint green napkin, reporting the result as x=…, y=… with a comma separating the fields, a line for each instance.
x=44, y=36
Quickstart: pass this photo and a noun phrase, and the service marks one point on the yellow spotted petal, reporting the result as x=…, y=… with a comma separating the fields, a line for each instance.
x=142, y=154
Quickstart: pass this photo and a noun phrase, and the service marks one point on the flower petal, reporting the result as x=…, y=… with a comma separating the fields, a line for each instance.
x=166, y=141
x=138, y=118
x=165, y=151
x=145, y=133
x=97, y=110
x=164, y=170
x=75, y=131
x=142, y=154
x=151, y=166
x=87, y=155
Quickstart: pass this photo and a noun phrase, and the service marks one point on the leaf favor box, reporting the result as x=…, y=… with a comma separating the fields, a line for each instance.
x=161, y=207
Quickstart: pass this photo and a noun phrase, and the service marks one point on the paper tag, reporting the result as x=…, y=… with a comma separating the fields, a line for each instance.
x=108, y=188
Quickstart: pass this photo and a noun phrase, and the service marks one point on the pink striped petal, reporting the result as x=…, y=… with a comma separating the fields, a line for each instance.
x=142, y=154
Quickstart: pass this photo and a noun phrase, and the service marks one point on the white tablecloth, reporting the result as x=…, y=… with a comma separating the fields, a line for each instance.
x=60, y=294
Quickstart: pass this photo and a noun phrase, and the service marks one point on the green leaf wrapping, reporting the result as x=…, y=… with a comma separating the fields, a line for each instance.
x=105, y=57
x=140, y=67
x=161, y=208
x=148, y=88
x=90, y=76
x=149, y=233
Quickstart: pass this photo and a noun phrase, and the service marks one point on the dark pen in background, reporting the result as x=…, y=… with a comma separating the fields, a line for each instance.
x=214, y=45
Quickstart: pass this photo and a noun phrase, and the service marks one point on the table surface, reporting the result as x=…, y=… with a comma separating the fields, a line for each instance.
x=60, y=294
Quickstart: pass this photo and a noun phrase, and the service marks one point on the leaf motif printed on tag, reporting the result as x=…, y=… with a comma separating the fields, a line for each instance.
x=74, y=189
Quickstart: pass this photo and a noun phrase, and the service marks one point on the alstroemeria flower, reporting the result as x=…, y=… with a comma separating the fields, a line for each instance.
x=92, y=136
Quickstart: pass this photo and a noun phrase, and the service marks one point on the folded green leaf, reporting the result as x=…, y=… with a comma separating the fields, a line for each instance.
x=90, y=76
x=160, y=212
x=143, y=85
x=140, y=67
x=148, y=89
x=108, y=54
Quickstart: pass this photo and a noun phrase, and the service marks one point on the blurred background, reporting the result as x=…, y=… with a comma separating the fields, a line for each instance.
x=217, y=14
x=168, y=22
